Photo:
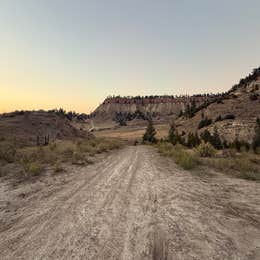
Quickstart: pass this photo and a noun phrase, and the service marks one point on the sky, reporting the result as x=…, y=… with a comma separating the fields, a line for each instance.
x=72, y=54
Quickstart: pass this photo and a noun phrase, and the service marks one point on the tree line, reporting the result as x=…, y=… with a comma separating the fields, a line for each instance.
x=193, y=140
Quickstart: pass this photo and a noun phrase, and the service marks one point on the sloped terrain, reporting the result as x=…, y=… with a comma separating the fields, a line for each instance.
x=234, y=115
x=24, y=127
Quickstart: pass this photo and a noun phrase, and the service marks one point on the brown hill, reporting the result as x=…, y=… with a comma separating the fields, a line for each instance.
x=234, y=115
x=26, y=126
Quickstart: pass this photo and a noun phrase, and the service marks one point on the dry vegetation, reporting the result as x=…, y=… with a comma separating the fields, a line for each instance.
x=133, y=132
x=244, y=165
x=33, y=160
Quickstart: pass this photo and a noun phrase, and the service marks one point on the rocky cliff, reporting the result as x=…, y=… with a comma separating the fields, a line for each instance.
x=151, y=105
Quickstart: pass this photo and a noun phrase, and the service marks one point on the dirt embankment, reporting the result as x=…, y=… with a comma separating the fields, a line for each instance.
x=133, y=204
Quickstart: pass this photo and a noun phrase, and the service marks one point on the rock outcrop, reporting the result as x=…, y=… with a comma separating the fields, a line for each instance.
x=153, y=105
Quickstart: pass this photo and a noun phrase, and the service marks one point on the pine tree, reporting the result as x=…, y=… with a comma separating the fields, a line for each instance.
x=215, y=139
x=206, y=136
x=150, y=133
x=197, y=139
x=237, y=145
x=172, y=133
x=173, y=136
x=256, y=139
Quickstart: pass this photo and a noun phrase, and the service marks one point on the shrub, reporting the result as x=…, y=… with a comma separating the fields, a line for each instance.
x=193, y=140
x=256, y=139
x=173, y=136
x=206, y=136
x=32, y=169
x=7, y=152
x=215, y=139
x=229, y=116
x=165, y=149
x=204, y=122
x=52, y=146
x=253, y=97
x=58, y=167
x=206, y=150
x=237, y=145
x=67, y=152
x=220, y=101
x=186, y=159
x=218, y=118
x=78, y=158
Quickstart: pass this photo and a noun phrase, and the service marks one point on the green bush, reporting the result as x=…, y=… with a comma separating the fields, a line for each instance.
x=206, y=150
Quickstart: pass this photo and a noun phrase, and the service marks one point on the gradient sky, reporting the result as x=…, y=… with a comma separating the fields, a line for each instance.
x=72, y=54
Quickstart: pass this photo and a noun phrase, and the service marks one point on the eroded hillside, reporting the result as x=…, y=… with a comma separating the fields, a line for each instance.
x=234, y=115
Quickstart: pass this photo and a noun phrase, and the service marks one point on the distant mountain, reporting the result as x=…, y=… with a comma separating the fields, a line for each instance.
x=143, y=107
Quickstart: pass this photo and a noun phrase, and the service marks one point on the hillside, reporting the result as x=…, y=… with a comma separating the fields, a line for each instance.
x=234, y=115
x=26, y=126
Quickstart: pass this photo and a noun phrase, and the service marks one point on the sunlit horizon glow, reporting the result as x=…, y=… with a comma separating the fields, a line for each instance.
x=73, y=54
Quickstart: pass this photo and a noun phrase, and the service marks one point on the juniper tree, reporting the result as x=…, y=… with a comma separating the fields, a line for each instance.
x=149, y=135
x=256, y=139
x=215, y=139
x=172, y=133
x=237, y=144
x=206, y=136
x=173, y=136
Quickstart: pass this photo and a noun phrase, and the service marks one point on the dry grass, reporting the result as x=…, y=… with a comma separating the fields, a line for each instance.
x=31, y=169
x=182, y=156
x=133, y=132
x=33, y=160
x=206, y=150
x=242, y=165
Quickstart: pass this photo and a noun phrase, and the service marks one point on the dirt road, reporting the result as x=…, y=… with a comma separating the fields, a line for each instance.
x=133, y=204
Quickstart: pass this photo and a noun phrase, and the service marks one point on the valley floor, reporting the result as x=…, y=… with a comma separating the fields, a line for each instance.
x=133, y=204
